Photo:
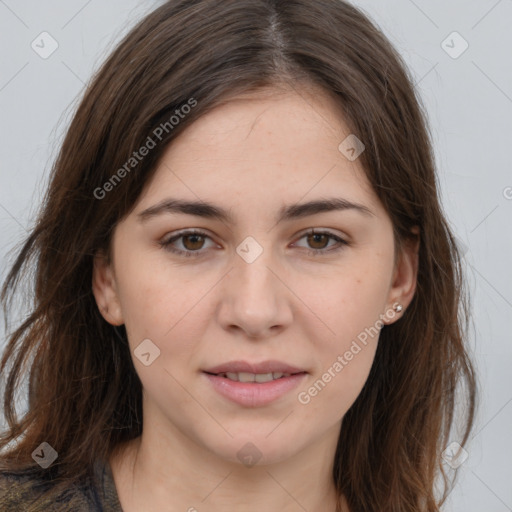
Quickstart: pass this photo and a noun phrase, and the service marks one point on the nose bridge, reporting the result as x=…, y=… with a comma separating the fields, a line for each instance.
x=256, y=283
x=254, y=299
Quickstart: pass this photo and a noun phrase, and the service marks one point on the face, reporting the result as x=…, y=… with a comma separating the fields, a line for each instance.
x=253, y=290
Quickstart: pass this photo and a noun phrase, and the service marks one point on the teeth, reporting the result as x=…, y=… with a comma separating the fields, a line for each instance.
x=246, y=377
x=254, y=377
x=264, y=377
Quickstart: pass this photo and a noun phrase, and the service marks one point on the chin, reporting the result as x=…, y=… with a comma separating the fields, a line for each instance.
x=260, y=449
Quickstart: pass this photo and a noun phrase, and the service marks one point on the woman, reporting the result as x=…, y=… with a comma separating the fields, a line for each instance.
x=247, y=296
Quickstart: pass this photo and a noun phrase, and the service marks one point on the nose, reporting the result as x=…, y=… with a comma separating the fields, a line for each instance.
x=255, y=298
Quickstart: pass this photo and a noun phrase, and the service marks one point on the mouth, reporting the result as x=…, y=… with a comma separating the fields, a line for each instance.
x=254, y=384
x=263, y=368
x=254, y=377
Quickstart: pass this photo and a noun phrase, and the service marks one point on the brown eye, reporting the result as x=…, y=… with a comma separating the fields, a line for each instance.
x=318, y=240
x=318, y=243
x=188, y=243
x=193, y=242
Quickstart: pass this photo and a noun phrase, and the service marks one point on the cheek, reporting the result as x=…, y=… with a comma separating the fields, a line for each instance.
x=340, y=308
x=349, y=313
x=155, y=296
x=343, y=373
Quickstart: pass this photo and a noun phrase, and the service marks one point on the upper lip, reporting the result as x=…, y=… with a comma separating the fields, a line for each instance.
x=271, y=366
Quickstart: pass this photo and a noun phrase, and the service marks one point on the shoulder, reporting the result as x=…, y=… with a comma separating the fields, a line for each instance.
x=19, y=490
x=29, y=493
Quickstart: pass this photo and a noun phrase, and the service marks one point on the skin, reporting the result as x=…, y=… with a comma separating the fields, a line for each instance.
x=251, y=156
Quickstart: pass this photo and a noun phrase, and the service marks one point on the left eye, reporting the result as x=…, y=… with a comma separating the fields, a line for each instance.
x=193, y=241
x=321, y=238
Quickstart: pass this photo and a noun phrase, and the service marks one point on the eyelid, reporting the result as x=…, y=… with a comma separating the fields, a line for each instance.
x=340, y=240
x=322, y=231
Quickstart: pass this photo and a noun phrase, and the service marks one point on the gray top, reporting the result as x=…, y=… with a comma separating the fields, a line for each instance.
x=25, y=493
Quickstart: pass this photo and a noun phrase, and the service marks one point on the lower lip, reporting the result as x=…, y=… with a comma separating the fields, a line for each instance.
x=254, y=394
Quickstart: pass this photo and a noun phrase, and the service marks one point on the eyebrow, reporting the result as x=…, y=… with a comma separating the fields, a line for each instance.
x=286, y=213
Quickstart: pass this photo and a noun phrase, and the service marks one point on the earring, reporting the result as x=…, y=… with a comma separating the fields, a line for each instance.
x=398, y=308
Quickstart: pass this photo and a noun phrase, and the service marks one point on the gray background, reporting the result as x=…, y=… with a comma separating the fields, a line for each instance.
x=469, y=104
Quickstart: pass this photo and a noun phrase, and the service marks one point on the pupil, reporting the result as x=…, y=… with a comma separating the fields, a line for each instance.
x=188, y=237
x=317, y=235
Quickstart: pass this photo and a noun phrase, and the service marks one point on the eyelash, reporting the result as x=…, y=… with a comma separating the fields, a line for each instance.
x=167, y=244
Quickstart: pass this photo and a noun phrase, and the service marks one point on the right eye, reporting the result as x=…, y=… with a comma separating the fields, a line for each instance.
x=192, y=241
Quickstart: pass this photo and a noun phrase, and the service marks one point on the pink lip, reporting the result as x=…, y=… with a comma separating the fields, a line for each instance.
x=254, y=394
x=269, y=366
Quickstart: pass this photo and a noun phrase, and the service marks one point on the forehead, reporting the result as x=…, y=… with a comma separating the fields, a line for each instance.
x=267, y=146
x=276, y=119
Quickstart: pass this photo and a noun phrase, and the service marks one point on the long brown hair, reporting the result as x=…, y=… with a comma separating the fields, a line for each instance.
x=84, y=396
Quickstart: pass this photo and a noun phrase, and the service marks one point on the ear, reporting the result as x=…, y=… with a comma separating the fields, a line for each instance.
x=105, y=290
x=404, y=279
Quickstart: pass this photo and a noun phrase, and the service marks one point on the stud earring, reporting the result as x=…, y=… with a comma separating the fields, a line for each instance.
x=398, y=308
